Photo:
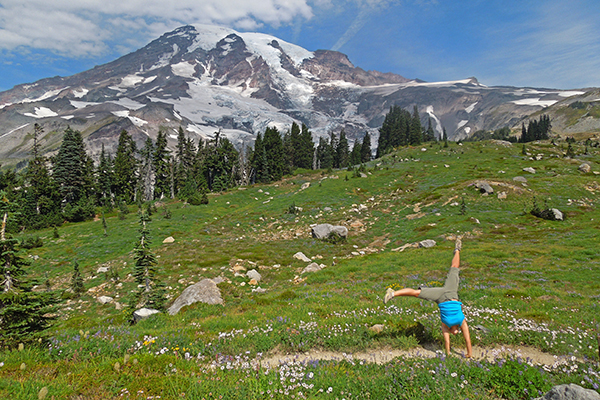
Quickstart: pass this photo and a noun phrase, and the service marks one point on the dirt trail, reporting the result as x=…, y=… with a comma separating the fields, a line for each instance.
x=382, y=356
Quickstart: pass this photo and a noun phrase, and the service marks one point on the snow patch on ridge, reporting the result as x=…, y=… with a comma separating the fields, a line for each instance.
x=534, y=102
x=184, y=69
x=471, y=107
x=42, y=112
x=461, y=124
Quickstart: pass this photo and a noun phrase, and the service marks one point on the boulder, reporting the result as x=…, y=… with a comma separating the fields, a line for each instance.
x=570, y=392
x=521, y=179
x=102, y=270
x=502, y=195
x=312, y=267
x=170, y=239
x=300, y=256
x=558, y=215
x=585, y=168
x=484, y=187
x=104, y=299
x=427, y=243
x=323, y=231
x=205, y=291
x=305, y=185
x=253, y=274
x=143, y=313
x=529, y=169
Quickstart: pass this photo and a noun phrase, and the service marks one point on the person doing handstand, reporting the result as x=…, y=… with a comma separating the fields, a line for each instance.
x=446, y=298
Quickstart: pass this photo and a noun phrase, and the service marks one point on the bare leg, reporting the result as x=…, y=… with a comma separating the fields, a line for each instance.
x=456, y=259
x=407, y=292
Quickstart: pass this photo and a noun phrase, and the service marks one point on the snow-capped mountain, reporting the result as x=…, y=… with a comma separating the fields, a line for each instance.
x=207, y=78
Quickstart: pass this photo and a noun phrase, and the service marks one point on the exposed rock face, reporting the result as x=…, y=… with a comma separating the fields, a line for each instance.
x=205, y=291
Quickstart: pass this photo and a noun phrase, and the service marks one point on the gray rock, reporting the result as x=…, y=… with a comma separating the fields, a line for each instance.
x=484, y=187
x=144, y=313
x=305, y=185
x=205, y=291
x=312, y=267
x=327, y=209
x=323, y=231
x=104, y=299
x=300, y=256
x=521, y=179
x=558, y=215
x=502, y=195
x=529, y=169
x=253, y=274
x=570, y=392
x=170, y=239
x=427, y=243
x=102, y=270
x=585, y=168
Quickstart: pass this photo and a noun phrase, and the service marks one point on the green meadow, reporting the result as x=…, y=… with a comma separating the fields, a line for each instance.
x=530, y=286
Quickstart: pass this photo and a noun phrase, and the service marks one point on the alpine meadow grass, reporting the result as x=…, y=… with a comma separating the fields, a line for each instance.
x=530, y=287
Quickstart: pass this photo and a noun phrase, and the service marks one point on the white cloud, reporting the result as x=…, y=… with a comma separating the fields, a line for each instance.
x=84, y=28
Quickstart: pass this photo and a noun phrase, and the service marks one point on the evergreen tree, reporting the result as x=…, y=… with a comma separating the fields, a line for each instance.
x=220, y=166
x=71, y=167
x=395, y=130
x=365, y=148
x=415, y=135
x=445, y=136
x=429, y=133
x=146, y=173
x=24, y=314
x=125, y=168
x=151, y=293
x=342, y=151
x=355, y=153
x=306, y=149
x=293, y=146
x=77, y=280
x=105, y=180
x=324, y=154
x=161, y=158
x=41, y=200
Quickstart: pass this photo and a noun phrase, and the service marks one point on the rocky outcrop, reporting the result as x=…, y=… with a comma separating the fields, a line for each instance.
x=326, y=231
x=205, y=291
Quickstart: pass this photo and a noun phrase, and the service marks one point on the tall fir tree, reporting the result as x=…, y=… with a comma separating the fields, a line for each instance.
x=71, y=167
x=161, y=158
x=25, y=315
x=105, y=180
x=74, y=176
x=150, y=293
x=342, y=151
x=125, y=168
x=41, y=201
x=306, y=150
x=355, y=153
x=415, y=133
x=146, y=171
x=365, y=148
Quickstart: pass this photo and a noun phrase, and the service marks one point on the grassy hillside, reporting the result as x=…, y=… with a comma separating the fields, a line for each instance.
x=526, y=282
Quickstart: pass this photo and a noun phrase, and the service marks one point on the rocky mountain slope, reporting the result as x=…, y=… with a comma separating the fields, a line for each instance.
x=207, y=78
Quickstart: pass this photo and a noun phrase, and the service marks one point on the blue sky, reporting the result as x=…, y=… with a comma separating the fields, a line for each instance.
x=540, y=43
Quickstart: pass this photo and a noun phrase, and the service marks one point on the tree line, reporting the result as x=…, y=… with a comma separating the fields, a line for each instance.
x=70, y=186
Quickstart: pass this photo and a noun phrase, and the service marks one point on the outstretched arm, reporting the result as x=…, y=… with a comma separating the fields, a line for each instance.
x=465, y=330
x=446, y=334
